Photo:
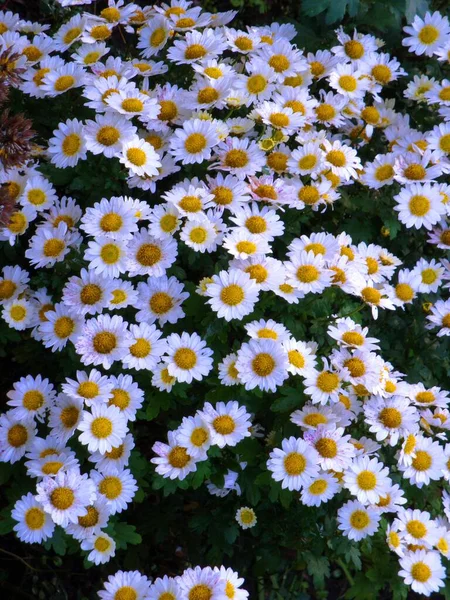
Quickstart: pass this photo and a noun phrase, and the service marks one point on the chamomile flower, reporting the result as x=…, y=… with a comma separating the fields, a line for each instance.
x=187, y=357
x=64, y=417
x=427, y=464
x=241, y=157
x=311, y=417
x=194, y=435
x=440, y=317
x=422, y=570
x=334, y=449
x=262, y=363
x=101, y=548
x=50, y=245
x=229, y=423
x=116, y=459
x=61, y=325
x=31, y=396
x=33, y=524
x=102, y=429
x=295, y=464
x=357, y=521
x=146, y=347
x=118, y=489
x=348, y=81
x=321, y=489
x=87, y=294
x=103, y=340
x=147, y=255
x=426, y=35
x=232, y=294
x=139, y=157
x=16, y=436
x=173, y=460
x=160, y=299
x=246, y=517
x=107, y=134
x=267, y=329
x=107, y=256
x=351, y=335
x=13, y=281
x=66, y=496
x=323, y=385
x=38, y=193
x=19, y=314
x=367, y=479
x=417, y=526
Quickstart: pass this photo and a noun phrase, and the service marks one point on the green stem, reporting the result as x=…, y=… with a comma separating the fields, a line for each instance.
x=347, y=573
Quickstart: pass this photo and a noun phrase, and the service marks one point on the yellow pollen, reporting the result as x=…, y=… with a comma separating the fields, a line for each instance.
x=62, y=498
x=32, y=53
x=160, y=303
x=279, y=120
x=120, y=398
x=104, y=342
x=315, y=248
x=265, y=333
x=194, y=143
x=178, y=457
x=336, y=158
x=277, y=161
x=326, y=447
x=190, y=204
x=232, y=295
x=90, y=519
x=52, y=467
x=64, y=327
x=390, y=417
x=325, y=112
x=354, y=49
x=101, y=544
x=149, y=255
x=207, y=95
x=307, y=273
x=195, y=51
x=384, y=173
x=33, y=400
x=18, y=313
x=90, y=294
x=422, y=461
x=198, y=235
x=213, y=72
x=359, y=519
x=198, y=436
x=421, y=572
x=185, y=358
x=119, y=296
x=366, y=480
x=415, y=172
x=371, y=295
x=256, y=84
x=224, y=424
x=426, y=397
x=136, y=156
x=7, y=289
x=353, y=338
x=91, y=58
x=356, y=367
x=419, y=205
x=53, y=247
x=257, y=272
x=315, y=419
x=266, y=191
x=111, y=487
x=297, y=107
x=307, y=162
x=246, y=247
x=110, y=14
x=158, y=37
x=348, y=83
x=71, y=144
x=72, y=34
x=309, y=195
x=126, y=593
x=88, y=389
x=100, y=32
x=69, y=416
x=101, y=427
x=64, y=82
x=132, y=105
x=110, y=254
x=141, y=348
x=168, y=111
x=416, y=528
x=115, y=453
x=327, y=382
x=200, y=592
x=263, y=364
x=294, y=464
x=318, y=487
x=236, y=159
x=382, y=74
x=222, y=196
x=17, y=435
x=428, y=34
x=370, y=115
x=108, y=135
x=279, y=63
x=404, y=292
x=35, y=518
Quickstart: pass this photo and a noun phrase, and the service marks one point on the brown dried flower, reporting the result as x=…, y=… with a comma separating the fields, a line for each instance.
x=15, y=139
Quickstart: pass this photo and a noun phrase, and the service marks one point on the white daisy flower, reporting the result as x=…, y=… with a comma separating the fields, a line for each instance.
x=422, y=570
x=194, y=435
x=262, y=363
x=228, y=374
x=146, y=347
x=295, y=464
x=107, y=256
x=164, y=221
x=116, y=459
x=102, y=429
x=417, y=526
x=427, y=464
x=66, y=496
x=19, y=314
x=63, y=78
x=335, y=450
x=68, y=146
x=229, y=423
x=173, y=460
x=319, y=490
x=126, y=395
x=307, y=273
x=101, y=548
x=161, y=379
x=139, y=157
x=16, y=436
x=310, y=417
x=51, y=245
x=259, y=220
x=246, y=517
x=38, y=193
x=87, y=294
x=13, y=281
x=31, y=396
x=440, y=317
x=241, y=157
x=390, y=418
x=147, y=255
x=206, y=582
x=323, y=385
x=64, y=417
x=61, y=325
x=367, y=479
x=232, y=294
x=160, y=299
x=103, y=340
x=426, y=35
x=118, y=489
x=125, y=582
x=34, y=525
x=357, y=521
x=187, y=357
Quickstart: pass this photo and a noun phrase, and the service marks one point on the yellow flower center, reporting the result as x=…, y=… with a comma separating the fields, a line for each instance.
x=110, y=14
x=382, y=74
x=71, y=144
x=100, y=32
x=178, y=457
x=353, y=338
x=429, y=276
x=185, y=358
x=126, y=593
x=200, y=592
x=90, y=519
x=336, y=158
x=236, y=159
x=326, y=447
x=421, y=572
x=17, y=435
x=72, y=34
x=53, y=247
x=384, y=173
x=88, y=390
x=348, y=83
x=7, y=289
x=354, y=49
x=110, y=254
x=327, y=382
x=356, y=367
x=309, y=195
x=279, y=63
x=199, y=436
x=62, y=498
x=296, y=359
x=101, y=544
x=198, y=235
x=359, y=519
x=390, y=417
x=108, y=136
x=115, y=453
x=149, y=255
x=52, y=467
x=416, y=528
x=277, y=161
x=428, y=34
x=325, y=112
x=90, y=294
x=101, y=427
x=370, y=295
x=232, y=295
x=195, y=51
x=168, y=110
x=415, y=172
x=120, y=398
x=257, y=272
x=404, y=292
x=370, y=115
x=132, y=105
x=136, y=156
x=366, y=480
x=207, y=95
x=91, y=58
x=263, y=364
x=279, y=120
x=64, y=327
x=247, y=247
x=213, y=72
x=160, y=303
x=422, y=461
x=64, y=82
x=190, y=204
x=307, y=273
x=315, y=419
x=104, y=342
x=224, y=424
x=69, y=416
x=318, y=487
x=158, y=37
x=256, y=84
x=33, y=400
x=141, y=348
x=35, y=518
x=294, y=464
x=111, y=487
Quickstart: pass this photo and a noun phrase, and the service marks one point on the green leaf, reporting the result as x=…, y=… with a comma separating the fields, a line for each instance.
x=318, y=567
x=125, y=534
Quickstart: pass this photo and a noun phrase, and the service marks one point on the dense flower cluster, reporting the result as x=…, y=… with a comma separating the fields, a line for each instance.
x=262, y=130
